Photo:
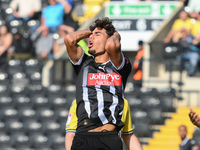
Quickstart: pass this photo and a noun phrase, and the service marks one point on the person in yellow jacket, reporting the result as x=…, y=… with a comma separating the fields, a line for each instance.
x=182, y=22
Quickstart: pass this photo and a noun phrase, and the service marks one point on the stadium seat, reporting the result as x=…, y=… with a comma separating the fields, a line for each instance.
x=35, y=78
x=4, y=78
x=33, y=65
x=134, y=102
x=23, y=147
x=62, y=126
x=5, y=9
x=148, y=91
x=6, y=101
x=70, y=92
x=167, y=92
x=171, y=50
x=5, y=4
x=19, y=139
x=150, y=102
x=26, y=113
x=2, y=126
x=21, y=100
x=57, y=140
x=167, y=103
x=14, y=125
x=55, y=90
x=20, y=79
x=45, y=114
x=32, y=126
x=4, y=90
x=37, y=89
x=17, y=90
x=9, y=112
x=15, y=66
x=59, y=102
x=50, y=126
x=39, y=141
x=173, y=64
x=139, y=114
x=142, y=130
x=4, y=141
x=40, y=101
x=61, y=113
x=155, y=115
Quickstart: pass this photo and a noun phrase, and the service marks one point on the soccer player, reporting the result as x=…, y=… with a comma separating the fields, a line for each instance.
x=100, y=84
x=126, y=133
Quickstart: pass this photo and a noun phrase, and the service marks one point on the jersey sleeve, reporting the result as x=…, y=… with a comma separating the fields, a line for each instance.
x=125, y=70
x=78, y=65
x=72, y=119
x=126, y=116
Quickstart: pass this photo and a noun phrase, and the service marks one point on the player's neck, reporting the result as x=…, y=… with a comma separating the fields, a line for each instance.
x=102, y=58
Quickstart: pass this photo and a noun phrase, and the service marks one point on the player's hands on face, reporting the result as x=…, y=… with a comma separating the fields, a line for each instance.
x=194, y=118
x=117, y=34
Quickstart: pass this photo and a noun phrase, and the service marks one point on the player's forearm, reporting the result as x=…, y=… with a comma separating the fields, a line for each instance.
x=68, y=140
x=73, y=38
x=132, y=142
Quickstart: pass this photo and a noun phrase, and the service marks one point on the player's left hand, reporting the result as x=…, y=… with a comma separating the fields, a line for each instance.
x=194, y=118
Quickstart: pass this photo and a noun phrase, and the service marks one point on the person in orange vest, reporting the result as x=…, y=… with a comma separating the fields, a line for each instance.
x=137, y=66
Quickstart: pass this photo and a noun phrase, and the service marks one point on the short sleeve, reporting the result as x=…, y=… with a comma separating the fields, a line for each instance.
x=72, y=119
x=128, y=127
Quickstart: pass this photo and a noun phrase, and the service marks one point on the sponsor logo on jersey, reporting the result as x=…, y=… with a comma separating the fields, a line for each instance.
x=69, y=118
x=85, y=122
x=108, y=79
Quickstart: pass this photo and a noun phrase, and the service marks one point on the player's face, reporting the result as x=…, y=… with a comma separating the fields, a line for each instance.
x=182, y=132
x=97, y=41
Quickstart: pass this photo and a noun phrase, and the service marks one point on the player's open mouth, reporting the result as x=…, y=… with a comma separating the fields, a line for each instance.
x=90, y=43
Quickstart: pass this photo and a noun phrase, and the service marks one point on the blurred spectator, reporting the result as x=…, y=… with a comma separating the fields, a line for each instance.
x=196, y=28
x=43, y=42
x=186, y=143
x=53, y=15
x=59, y=45
x=189, y=50
x=185, y=2
x=194, y=6
x=5, y=43
x=24, y=9
x=68, y=20
x=22, y=46
x=183, y=21
x=137, y=66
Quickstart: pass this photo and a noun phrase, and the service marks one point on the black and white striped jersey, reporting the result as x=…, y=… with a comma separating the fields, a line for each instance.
x=100, y=92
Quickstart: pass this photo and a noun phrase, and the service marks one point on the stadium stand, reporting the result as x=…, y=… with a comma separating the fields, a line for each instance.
x=168, y=138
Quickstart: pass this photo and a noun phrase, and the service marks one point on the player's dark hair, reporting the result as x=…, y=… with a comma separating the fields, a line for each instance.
x=104, y=23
